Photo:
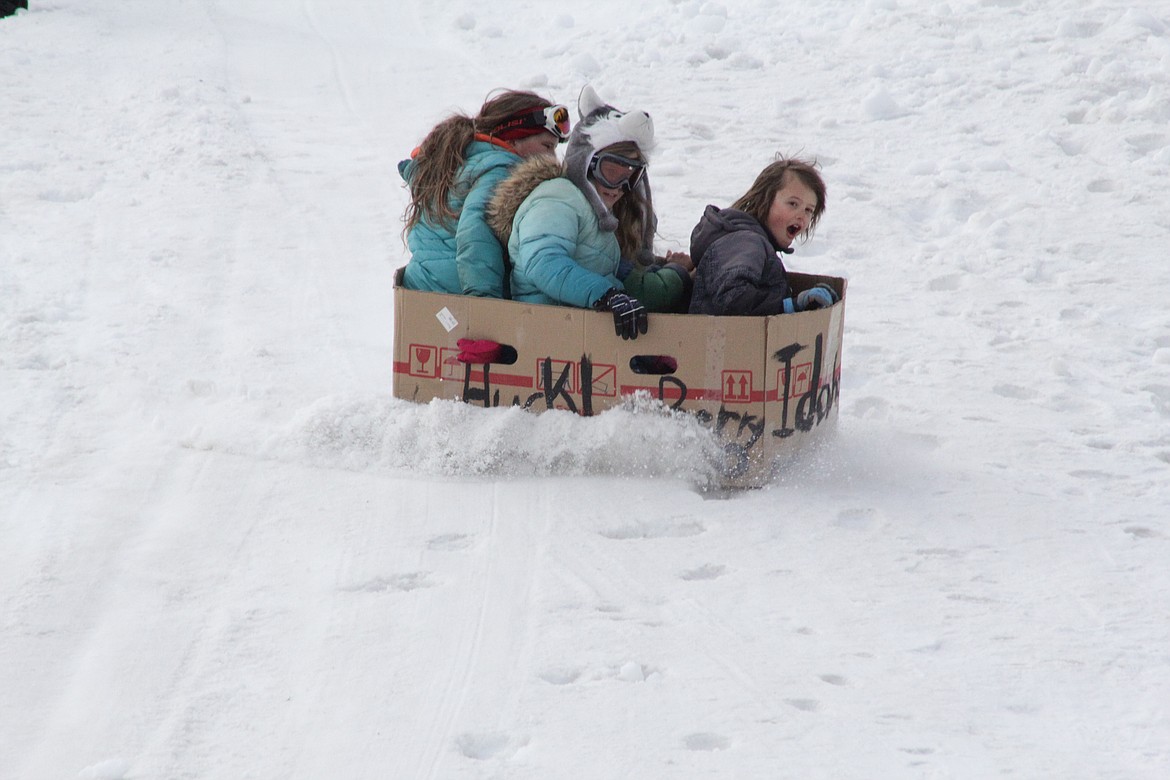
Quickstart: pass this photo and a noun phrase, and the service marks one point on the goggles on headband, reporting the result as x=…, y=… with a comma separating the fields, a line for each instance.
x=554, y=119
x=615, y=171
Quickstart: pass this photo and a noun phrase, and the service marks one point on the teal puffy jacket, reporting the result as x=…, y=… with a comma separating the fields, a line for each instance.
x=559, y=254
x=465, y=257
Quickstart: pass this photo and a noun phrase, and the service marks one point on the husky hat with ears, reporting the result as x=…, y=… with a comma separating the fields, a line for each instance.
x=602, y=125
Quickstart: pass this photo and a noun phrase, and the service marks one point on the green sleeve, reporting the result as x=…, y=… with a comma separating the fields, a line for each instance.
x=660, y=288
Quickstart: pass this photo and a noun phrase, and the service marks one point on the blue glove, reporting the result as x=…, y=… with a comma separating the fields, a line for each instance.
x=819, y=296
x=629, y=315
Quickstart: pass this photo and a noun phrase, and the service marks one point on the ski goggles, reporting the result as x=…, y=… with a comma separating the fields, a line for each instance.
x=615, y=171
x=554, y=119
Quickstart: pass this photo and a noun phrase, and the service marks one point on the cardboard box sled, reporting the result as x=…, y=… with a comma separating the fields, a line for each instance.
x=766, y=385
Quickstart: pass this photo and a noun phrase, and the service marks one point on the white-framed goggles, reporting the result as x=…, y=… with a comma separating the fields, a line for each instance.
x=556, y=120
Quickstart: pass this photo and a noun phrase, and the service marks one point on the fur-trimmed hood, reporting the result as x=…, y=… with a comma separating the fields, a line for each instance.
x=511, y=192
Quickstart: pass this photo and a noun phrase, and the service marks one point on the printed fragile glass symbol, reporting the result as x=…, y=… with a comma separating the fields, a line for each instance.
x=423, y=356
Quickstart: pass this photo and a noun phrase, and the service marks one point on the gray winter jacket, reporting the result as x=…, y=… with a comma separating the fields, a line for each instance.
x=737, y=269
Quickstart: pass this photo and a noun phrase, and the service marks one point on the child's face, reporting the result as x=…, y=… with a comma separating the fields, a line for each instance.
x=609, y=195
x=792, y=211
x=541, y=143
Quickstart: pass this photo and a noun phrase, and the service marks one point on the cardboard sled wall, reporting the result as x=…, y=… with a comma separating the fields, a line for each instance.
x=765, y=385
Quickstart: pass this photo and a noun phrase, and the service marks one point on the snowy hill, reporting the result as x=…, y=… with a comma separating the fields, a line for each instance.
x=225, y=552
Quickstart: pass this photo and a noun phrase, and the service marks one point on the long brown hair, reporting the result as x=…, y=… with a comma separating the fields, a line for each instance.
x=757, y=201
x=444, y=150
x=632, y=209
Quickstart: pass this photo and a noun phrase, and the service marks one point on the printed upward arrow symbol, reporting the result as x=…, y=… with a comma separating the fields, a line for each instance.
x=737, y=386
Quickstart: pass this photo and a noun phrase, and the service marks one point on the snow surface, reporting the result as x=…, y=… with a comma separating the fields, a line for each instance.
x=226, y=552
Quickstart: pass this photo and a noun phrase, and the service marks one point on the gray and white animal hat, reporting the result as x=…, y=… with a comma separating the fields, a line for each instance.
x=602, y=125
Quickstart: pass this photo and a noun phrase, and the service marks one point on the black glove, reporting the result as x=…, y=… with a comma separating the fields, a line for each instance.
x=629, y=315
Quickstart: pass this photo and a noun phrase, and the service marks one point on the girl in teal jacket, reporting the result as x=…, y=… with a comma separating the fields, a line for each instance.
x=582, y=234
x=452, y=176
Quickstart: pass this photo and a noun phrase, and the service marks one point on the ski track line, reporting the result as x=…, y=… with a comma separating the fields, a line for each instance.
x=446, y=710
x=484, y=683
x=194, y=688
x=177, y=692
x=309, y=228
x=454, y=696
x=308, y=10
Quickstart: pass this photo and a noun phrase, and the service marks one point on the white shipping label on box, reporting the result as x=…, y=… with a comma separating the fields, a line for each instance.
x=447, y=319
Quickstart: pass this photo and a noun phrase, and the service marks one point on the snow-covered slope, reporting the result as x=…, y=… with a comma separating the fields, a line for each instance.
x=225, y=551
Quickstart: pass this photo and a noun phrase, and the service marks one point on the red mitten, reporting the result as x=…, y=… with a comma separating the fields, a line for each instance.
x=478, y=351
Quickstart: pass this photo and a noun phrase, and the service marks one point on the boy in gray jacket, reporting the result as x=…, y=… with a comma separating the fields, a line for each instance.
x=736, y=251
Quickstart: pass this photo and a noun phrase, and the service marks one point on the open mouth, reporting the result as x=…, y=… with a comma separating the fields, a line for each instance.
x=793, y=231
